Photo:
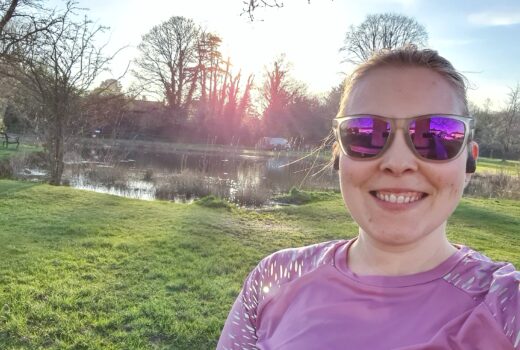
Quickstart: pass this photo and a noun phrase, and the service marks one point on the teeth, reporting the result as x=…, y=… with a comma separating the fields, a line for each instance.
x=408, y=197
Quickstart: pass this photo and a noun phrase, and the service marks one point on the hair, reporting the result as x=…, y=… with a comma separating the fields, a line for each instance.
x=408, y=56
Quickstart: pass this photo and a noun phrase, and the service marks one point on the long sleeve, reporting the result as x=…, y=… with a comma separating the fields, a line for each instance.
x=239, y=331
x=503, y=302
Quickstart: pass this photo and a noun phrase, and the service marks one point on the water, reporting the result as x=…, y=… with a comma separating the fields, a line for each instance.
x=244, y=178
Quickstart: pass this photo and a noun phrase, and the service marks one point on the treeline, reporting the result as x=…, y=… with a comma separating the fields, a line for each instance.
x=49, y=60
x=197, y=95
x=205, y=97
x=497, y=131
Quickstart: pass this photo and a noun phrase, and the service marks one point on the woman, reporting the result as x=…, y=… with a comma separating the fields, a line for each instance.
x=405, y=155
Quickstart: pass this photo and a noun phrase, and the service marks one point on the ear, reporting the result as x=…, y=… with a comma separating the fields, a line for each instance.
x=471, y=162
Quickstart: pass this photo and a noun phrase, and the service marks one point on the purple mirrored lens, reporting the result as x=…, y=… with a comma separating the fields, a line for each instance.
x=364, y=137
x=437, y=137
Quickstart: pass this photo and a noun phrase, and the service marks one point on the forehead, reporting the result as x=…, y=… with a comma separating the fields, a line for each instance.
x=402, y=92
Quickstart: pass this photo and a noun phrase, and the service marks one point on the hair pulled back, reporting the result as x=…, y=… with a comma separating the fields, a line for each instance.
x=408, y=56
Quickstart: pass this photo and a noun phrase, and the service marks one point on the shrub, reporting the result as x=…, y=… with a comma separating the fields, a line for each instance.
x=214, y=202
x=5, y=169
x=294, y=196
x=148, y=175
x=108, y=176
x=251, y=196
x=500, y=185
x=189, y=184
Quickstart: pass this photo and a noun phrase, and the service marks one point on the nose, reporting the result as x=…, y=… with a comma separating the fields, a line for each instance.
x=398, y=159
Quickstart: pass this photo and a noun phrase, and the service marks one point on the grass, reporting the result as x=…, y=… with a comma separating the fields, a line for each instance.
x=493, y=165
x=82, y=270
x=6, y=153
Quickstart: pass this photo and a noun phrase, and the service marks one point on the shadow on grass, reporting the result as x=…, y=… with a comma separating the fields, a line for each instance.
x=488, y=217
x=10, y=187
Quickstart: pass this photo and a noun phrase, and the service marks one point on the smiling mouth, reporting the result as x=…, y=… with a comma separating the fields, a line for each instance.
x=399, y=198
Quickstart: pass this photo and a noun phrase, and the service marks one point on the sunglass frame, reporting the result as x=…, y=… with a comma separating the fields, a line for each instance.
x=469, y=130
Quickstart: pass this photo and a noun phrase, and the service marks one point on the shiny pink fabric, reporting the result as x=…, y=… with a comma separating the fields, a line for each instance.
x=307, y=298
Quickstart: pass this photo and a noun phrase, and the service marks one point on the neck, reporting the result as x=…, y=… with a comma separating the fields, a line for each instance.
x=367, y=256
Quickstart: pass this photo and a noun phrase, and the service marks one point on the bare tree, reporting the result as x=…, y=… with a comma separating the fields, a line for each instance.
x=508, y=123
x=209, y=60
x=21, y=20
x=245, y=102
x=382, y=31
x=168, y=64
x=485, y=131
x=278, y=92
x=251, y=5
x=227, y=105
x=55, y=70
x=105, y=109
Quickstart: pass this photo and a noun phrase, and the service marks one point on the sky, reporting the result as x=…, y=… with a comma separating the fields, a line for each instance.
x=480, y=37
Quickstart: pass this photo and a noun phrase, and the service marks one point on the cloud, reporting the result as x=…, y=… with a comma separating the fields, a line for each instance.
x=494, y=18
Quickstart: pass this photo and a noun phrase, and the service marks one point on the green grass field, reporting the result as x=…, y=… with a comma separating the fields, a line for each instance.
x=12, y=151
x=491, y=165
x=82, y=270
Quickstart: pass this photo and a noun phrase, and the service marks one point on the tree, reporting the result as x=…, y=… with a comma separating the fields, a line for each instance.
x=22, y=20
x=209, y=59
x=382, y=31
x=278, y=92
x=508, y=123
x=105, y=108
x=220, y=108
x=276, y=97
x=168, y=64
x=55, y=70
x=109, y=87
x=307, y=121
x=485, y=131
x=244, y=105
x=250, y=6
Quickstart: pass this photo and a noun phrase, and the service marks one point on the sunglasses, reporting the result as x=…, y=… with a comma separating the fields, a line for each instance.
x=432, y=137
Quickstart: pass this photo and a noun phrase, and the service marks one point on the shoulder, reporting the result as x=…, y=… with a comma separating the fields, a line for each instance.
x=283, y=267
x=503, y=301
x=474, y=273
x=299, y=260
x=494, y=284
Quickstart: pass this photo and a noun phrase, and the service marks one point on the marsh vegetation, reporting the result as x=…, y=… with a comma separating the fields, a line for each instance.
x=247, y=177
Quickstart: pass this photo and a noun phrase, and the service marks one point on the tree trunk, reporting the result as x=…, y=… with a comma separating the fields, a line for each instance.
x=504, y=153
x=56, y=153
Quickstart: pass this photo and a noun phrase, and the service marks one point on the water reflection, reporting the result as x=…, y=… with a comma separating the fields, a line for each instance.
x=133, y=188
x=243, y=179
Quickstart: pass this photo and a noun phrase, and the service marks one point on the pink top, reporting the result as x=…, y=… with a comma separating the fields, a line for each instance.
x=307, y=298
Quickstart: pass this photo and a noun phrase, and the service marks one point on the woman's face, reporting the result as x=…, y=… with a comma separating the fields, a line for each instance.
x=433, y=189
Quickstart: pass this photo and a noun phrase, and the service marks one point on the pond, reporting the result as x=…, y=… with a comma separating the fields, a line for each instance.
x=246, y=178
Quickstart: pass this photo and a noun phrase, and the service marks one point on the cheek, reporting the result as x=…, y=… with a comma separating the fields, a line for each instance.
x=451, y=182
x=354, y=174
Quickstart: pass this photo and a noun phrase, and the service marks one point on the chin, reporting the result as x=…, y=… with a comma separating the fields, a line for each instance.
x=395, y=236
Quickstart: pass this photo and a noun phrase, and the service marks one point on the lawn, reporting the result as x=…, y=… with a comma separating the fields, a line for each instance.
x=493, y=165
x=82, y=270
x=11, y=151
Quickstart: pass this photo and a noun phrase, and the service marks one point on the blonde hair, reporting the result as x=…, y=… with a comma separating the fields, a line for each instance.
x=409, y=56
